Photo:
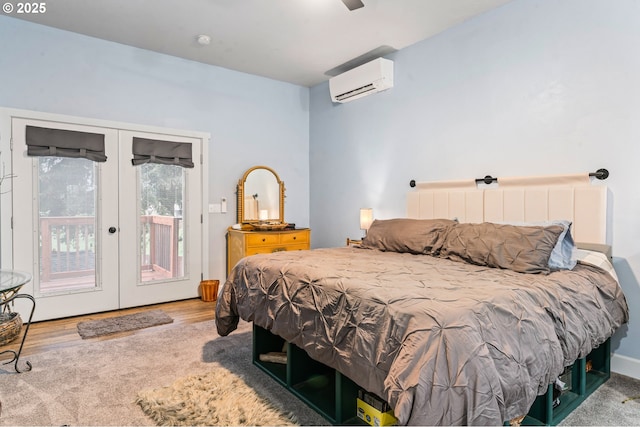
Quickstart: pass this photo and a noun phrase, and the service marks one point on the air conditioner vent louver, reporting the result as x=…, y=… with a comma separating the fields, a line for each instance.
x=372, y=77
x=355, y=92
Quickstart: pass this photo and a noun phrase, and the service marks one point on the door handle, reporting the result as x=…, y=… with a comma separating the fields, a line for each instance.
x=112, y=230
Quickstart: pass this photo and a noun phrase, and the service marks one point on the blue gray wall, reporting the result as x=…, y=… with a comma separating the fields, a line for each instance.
x=252, y=120
x=531, y=88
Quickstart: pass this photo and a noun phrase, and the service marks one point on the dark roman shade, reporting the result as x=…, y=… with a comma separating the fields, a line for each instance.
x=163, y=152
x=65, y=143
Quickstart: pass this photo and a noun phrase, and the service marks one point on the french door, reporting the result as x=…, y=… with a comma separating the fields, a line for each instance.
x=103, y=235
x=161, y=240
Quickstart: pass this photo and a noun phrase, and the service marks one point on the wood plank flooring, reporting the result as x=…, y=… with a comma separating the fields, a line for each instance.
x=59, y=333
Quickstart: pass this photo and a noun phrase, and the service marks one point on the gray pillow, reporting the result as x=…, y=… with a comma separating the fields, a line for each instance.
x=563, y=255
x=518, y=248
x=415, y=236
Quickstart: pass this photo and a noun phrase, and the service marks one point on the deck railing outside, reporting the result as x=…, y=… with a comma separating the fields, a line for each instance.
x=160, y=244
x=68, y=246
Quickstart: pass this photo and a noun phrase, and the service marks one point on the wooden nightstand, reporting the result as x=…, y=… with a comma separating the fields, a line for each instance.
x=244, y=243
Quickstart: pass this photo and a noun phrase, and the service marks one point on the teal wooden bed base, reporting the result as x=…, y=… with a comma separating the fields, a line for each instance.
x=333, y=395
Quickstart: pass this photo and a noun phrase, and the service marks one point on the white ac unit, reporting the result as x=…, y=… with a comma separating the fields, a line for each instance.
x=372, y=77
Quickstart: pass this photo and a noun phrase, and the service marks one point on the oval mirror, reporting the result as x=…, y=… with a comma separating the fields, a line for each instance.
x=260, y=197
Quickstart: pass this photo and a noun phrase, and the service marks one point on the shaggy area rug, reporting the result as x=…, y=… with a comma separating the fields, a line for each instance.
x=216, y=398
x=96, y=382
x=128, y=322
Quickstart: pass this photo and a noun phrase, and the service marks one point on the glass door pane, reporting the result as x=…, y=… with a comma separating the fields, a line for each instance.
x=162, y=255
x=67, y=225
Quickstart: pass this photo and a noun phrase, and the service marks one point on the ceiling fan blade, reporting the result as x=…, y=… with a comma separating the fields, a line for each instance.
x=353, y=4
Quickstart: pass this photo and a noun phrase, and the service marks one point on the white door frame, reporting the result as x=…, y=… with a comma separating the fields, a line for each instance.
x=7, y=255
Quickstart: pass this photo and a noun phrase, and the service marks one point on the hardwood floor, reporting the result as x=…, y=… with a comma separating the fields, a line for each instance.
x=52, y=334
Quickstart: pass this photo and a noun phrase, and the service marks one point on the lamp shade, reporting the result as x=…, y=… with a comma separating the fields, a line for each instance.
x=366, y=218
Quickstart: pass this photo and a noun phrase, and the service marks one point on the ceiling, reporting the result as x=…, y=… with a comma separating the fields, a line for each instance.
x=298, y=41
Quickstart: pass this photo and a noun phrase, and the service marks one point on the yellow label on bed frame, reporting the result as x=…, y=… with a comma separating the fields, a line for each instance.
x=373, y=417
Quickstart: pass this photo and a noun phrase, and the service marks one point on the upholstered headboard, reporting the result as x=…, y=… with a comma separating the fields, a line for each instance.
x=570, y=197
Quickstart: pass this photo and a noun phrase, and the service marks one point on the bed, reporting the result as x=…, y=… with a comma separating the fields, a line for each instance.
x=454, y=315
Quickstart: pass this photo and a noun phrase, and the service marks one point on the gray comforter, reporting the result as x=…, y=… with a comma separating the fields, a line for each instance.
x=444, y=342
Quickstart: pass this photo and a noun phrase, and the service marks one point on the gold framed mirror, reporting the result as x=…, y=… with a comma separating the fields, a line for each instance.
x=261, y=197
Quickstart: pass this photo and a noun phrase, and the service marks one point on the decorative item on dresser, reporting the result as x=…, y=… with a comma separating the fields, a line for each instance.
x=260, y=198
x=261, y=227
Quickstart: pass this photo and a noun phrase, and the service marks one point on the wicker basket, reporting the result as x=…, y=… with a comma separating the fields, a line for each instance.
x=10, y=326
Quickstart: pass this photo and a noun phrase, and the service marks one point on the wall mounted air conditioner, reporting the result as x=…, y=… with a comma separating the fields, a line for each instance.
x=369, y=78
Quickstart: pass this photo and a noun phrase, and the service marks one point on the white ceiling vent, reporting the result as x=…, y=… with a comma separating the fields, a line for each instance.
x=369, y=78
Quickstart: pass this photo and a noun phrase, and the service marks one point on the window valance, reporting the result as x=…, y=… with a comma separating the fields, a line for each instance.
x=162, y=152
x=65, y=143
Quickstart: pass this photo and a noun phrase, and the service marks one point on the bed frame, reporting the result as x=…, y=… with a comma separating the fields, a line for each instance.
x=533, y=199
x=333, y=395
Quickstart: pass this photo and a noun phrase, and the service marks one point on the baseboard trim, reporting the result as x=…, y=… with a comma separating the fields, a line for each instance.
x=625, y=365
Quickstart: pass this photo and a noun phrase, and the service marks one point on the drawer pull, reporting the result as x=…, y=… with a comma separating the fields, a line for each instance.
x=263, y=239
x=294, y=237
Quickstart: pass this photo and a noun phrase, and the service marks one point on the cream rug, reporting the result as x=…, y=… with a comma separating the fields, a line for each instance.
x=96, y=382
x=216, y=398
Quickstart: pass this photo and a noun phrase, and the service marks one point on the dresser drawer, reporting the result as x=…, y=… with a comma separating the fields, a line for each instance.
x=294, y=238
x=298, y=247
x=253, y=250
x=259, y=239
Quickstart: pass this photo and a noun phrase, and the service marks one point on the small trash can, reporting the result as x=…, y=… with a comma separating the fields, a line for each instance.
x=209, y=290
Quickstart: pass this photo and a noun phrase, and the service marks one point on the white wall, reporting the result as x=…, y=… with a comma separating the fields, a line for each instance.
x=531, y=88
x=252, y=120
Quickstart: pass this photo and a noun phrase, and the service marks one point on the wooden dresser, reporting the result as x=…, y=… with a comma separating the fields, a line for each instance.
x=244, y=243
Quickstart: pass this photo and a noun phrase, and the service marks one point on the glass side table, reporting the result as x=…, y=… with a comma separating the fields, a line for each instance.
x=10, y=283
